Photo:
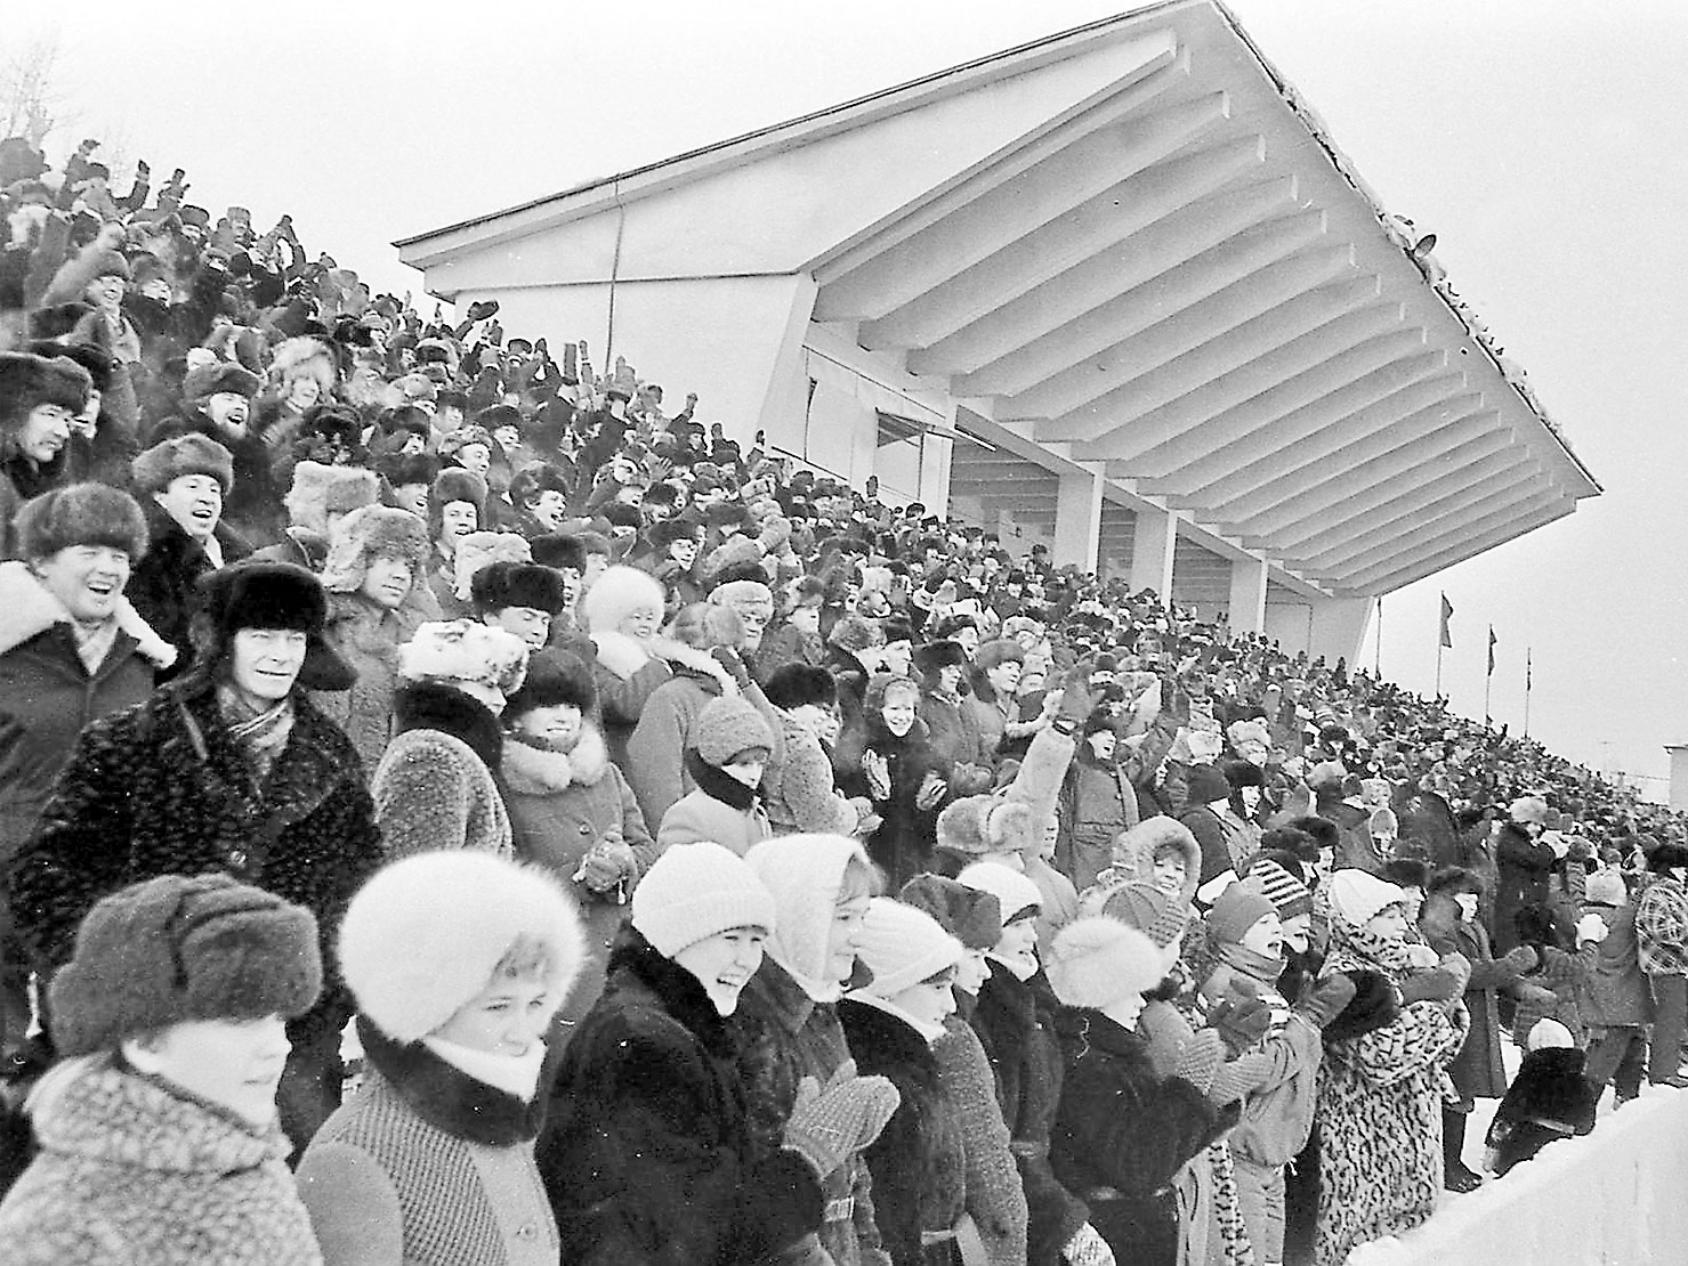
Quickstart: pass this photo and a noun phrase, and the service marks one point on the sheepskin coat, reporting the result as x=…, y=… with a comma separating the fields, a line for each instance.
x=918, y=1162
x=801, y=794
x=164, y=585
x=561, y=805
x=721, y=809
x=162, y=788
x=650, y=1155
x=368, y=636
x=47, y=694
x=435, y=786
x=428, y=1166
x=133, y=1171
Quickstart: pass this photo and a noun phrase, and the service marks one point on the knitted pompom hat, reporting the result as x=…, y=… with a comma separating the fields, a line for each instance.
x=1235, y=911
x=1288, y=895
x=696, y=891
x=1098, y=960
x=727, y=726
x=1149, y=910
x=424, y=935
x=971, y=915
x=465, y=650
x=174, y=949
x=902, y=946
x=1015, y=894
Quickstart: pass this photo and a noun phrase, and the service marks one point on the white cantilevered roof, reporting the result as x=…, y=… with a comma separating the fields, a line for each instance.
x=1133, y=244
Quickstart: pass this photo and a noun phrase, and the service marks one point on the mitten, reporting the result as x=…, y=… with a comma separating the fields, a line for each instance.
x=828, y=1126
x=1328, y=999
x=1087, y=1248
x=1374, y=1007
x=1438, y=985
x=1524, y=958
x=1241, y=1022
x=1591, y=927
x=1460, y=966
x=1199, y=1061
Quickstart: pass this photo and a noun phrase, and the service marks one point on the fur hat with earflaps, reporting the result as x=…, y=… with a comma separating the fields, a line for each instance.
x=553, y=680
x=971, y=915
x=175, y=949
x=367, y=534
x=191, y=454
x=320, y=490
x=937, y=655
x=217, y=378
x=28, y=381
x=976, y=825
x=455, y=484
x=425, y=934
x=465, y=651
x=81, y=514
x=254, y=594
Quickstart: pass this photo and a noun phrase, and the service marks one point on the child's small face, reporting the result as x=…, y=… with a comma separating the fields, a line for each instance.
x=1298, y=932
x=747, y=768
x=1266, y=936
x=1103, y=744
x=1170, y=873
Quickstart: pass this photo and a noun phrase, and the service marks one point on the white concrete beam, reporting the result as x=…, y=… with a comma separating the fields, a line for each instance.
x=1248, y=595
x=1226, y=329
x=1506, y=500
x=1122, y=307
x=1457, y=539
x=1079, y=235
x=1078, y=519
x=1224, y=445
x=979, y=228
x=1152, y=552
x=1468, y=549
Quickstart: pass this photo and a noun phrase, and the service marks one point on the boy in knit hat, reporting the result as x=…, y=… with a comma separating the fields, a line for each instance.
x=158, y=1130
x=733, y=744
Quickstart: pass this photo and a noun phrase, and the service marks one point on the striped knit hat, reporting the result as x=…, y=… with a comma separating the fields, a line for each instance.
x=1149, y=910
x=1288, y=895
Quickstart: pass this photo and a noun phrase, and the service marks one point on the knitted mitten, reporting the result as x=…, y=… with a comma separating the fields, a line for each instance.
x=828, y=1126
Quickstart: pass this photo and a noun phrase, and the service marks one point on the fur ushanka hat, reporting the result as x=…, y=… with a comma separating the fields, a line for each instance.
x=175, y=949
x=27, y=381
x=465, y=651
x=81, y=514
x=190, y=454
x=320, y=490
x=516, y=584
x=367, y=534
x=424, y=935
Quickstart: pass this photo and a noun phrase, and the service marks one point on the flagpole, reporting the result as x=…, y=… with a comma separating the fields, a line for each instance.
x=1489, y=679
x=1528, y=652
x=1438, y=668
x=1377, y=656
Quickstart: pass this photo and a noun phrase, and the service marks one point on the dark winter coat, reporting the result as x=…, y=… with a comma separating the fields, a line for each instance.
x=903, y=843
x=649, y=1156
x=1525, y=867
x=1015, y=1021
x=161, y=788
x=561, y=805
x=1616, y=995
x=1098, y=801
x=1549, y=1099
x=918, y=1162
x=1477, y=1071
x=785, y=1036
x=436, y=785
x=1122, y=1133
x=164, y=585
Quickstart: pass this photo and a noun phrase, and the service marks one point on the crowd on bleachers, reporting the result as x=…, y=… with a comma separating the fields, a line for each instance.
x=456, y=806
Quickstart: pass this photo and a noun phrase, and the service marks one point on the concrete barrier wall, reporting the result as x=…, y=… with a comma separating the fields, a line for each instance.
x=1618, y=1197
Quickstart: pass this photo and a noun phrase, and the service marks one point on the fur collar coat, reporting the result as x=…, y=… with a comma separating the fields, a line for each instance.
x=436, y=787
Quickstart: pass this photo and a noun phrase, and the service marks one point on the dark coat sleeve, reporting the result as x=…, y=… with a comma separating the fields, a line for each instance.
x=1136, y=1132
x=893, y=1161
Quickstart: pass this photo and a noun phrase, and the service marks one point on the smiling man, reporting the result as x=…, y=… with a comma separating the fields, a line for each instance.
x=182, y=483
x=39, y=399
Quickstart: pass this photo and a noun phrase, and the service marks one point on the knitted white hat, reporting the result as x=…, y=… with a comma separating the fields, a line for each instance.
x=1356, y=897
x=465, y=650
x=903, y=946
x=1545, y=1033
x=425, y=934
x=696, y=891
x=1099, y=960
x=1013, y=891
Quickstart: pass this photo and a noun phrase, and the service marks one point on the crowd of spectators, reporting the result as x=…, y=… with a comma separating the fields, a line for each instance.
x=305, y=586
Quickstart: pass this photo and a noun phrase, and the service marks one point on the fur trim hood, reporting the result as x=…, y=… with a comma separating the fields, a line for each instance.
x=1134, y=852
x=27, y=609
x=542, y=771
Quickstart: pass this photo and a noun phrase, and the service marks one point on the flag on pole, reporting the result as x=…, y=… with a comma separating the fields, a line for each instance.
x=1447, y=614
x=1491, y=650
x=1528, y=651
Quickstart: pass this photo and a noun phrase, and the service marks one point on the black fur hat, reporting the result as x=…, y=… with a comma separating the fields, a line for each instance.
x=506, y=584
x=27, y=381
x=796, y=685
x=98, y=363
x=553, y=679
x=559, y=550
x=409, y=468
x=935, y=655
x=254, y=594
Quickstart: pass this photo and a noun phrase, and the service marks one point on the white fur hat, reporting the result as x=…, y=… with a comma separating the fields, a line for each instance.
x=465, y=650
x=425, y=934
x=617, y=593
x=1099, y=960
x=903, y=946
x=1013, y=891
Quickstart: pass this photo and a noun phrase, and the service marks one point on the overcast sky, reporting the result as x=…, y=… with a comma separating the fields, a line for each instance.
x=1546, y=144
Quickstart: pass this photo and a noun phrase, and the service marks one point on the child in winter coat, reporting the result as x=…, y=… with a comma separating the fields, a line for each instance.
x=571, y=811
x=1124, y=1128
x=1551, y=1098
x=1615, y=1004
x=788, y=1013
x=458, y=961
x=158, y=1132
x=918, y=1163
x=732, y=745
x=996, y=1200
x=652, y=1155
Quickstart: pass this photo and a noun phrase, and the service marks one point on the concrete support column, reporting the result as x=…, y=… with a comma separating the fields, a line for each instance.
x=1678, y=775
x=1151, y=552
x=1078, y=517
x=1248, y=595
x=1339, y=628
